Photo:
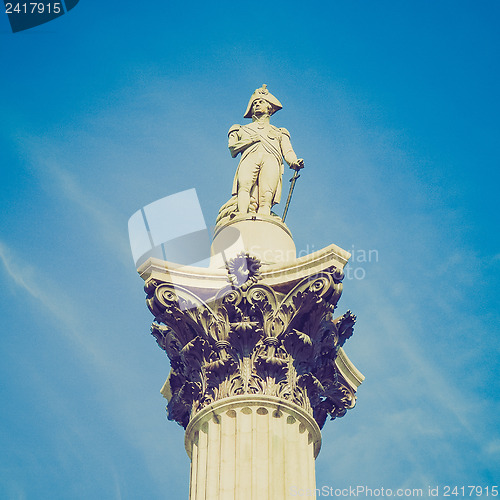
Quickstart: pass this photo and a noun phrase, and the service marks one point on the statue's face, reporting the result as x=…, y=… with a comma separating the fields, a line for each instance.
x=261, y=107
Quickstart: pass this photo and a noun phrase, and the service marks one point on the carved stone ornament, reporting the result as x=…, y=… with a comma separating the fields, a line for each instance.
x=252, y=339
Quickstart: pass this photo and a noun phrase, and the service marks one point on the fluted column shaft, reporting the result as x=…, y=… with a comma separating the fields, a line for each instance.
x=251, y=447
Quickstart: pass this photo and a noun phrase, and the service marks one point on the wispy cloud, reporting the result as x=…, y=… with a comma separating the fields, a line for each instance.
x=92, y=354
x=403, y=344
x=48, y=159
x=103, y=215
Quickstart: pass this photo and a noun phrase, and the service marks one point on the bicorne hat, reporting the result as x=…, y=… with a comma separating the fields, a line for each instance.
x=262, y=93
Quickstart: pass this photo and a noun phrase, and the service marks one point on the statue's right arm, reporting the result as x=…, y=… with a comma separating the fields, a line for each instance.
x=236, y=143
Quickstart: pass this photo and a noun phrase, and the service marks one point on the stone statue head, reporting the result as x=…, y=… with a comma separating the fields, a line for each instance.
x=262, y=93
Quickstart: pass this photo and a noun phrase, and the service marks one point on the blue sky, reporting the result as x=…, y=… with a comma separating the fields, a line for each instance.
x=394, y=107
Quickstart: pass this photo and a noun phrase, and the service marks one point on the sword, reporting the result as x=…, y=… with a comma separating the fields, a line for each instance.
x=293, y=180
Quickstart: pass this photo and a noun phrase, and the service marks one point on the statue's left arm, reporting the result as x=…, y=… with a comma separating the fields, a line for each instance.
x=288, y=152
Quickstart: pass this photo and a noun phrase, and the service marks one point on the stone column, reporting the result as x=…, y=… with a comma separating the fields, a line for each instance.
x=251, y=447
x=257, y=366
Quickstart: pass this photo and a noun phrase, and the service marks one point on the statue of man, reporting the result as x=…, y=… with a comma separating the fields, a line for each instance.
x=257, y=183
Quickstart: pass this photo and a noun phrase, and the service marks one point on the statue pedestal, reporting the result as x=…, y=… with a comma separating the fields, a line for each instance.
x=264, y=236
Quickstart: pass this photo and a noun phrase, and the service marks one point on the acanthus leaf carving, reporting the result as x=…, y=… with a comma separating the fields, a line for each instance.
x=251, y=339
x=345, y=326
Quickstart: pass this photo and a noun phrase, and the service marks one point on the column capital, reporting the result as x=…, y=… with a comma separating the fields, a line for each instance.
x=256, y=338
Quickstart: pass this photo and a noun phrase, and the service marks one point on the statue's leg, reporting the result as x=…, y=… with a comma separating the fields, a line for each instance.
x=268, y=182
x=247, y=177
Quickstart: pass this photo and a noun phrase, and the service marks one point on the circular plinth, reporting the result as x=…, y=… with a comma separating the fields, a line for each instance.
x=264, y=236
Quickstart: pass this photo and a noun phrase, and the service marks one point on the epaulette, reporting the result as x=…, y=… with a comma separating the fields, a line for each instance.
x=285, y=132
x=234, y=128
